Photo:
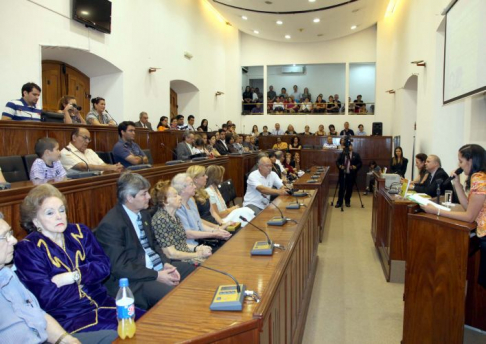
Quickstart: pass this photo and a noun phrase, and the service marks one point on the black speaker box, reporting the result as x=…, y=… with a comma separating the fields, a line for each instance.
x=377, y=129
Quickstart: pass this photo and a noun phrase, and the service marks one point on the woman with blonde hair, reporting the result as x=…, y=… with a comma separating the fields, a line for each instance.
x=215, y=174
x=168, y=229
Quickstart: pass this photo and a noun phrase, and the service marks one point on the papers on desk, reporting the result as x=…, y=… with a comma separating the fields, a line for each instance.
x=420, y=199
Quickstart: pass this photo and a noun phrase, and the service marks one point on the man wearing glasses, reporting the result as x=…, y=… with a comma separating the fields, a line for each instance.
x=126, y=151
x=77, y=156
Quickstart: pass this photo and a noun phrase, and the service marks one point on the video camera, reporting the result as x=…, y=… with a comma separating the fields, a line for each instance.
x=347, y=141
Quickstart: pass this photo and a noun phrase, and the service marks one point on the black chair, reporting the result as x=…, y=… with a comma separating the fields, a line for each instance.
x=227, y=190
x=149, y=156
x=245, y=183
x=28, y=161
x=106, y=157
x=13, y=168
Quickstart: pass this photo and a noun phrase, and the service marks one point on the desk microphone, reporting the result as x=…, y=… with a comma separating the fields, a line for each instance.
x=295, y=205
x=230, y=297
x=451, y=178
x=172, y=151
x=111, y=117
x=277, y=221
x=70, y=150
x=262, y=248
x=438, y=191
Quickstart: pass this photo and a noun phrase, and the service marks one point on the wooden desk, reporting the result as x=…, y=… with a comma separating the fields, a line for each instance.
x=238, y=167
x=322, y=187
x=435, y=282
x=88, y=199
x=284, y=281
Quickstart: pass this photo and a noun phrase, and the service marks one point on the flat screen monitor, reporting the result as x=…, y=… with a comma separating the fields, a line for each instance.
x=93, y=13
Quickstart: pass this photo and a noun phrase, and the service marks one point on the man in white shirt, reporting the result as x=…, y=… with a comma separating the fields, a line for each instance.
x=77, y=155
x=361, y=131
x=259, y=186
x=296, y=94
x=329, y=144
x=277, y=130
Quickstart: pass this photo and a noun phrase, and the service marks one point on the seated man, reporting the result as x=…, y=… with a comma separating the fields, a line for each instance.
x=221, y=145
x=346, y=131
x=126, y=151
x=329, y=144
x=436, y=173
x=180, y=123
x=144, y=121
x=77, y=155
x=361, y=131
x=23, y=321
x=185, y=148
x=24, y=108
x=259, y=186
x=126, y=236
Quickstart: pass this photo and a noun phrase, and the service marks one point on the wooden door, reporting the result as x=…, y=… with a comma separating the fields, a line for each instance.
x=78, y=87
x=51, y=86
x=173, y=104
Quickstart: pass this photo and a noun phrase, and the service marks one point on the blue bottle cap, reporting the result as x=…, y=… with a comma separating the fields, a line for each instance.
x=123, y=282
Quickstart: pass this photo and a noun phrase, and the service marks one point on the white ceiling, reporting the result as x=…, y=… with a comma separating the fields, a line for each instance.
x=334, y=22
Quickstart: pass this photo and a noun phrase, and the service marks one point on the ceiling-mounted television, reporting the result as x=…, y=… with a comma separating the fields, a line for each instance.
x=93, y=13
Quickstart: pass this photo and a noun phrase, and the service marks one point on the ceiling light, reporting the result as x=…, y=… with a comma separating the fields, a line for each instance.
x=256, y=31
x=317, y=20
x=287, y=36
x=244, y=17
x=279, y=22
x=85, y=13
x=312, y=0
x=353, y=27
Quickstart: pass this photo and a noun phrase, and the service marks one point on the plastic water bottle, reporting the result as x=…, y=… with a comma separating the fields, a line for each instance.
x=125, y=310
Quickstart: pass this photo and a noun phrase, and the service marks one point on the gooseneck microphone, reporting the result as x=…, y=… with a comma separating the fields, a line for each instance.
x=173, y=152
x=261, y=230
x=451, y=178
x=277, y=221
x=262, y=248
x=70, y=150
x=238, y=287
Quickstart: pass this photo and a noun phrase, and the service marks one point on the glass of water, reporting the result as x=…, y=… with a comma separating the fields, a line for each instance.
x=448, y=197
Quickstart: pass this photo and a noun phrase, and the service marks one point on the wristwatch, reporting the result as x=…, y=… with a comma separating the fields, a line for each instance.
x=76, y=276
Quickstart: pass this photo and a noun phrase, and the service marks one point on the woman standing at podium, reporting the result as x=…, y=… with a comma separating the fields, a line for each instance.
x=472, y=159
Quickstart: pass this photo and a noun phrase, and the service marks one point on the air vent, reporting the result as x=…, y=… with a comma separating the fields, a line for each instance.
x=293, y=70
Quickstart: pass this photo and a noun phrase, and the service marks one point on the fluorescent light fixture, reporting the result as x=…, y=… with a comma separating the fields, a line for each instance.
x=312, y=0
x=244, y=17
x=353, y=27
x=85, y=13
x=391, y=8
x=279, y=22
x=256, y=32
x=317, y=20
x=287, y=36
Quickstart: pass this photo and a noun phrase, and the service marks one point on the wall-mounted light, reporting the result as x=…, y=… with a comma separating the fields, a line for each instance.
x=420, y=63
x=153, y=69
x=218, y=93
x=390, y=91
x=188, y=55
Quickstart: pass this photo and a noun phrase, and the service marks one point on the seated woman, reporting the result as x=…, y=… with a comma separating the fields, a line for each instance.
x=320, y=105
x=173, y=124
x=297, y=161
x=399, y=163
x=331, y=105
x=210, y=147
x=291, y=106
x=195, y=227
x=163, y=124
x=306, y=106
x=63, y=265
x=295, y=145
x=168, y=230
x=98, y=115
x=305, y=95
x=280, y=145
x=265, y=131
x=203, y=126
x=247, y=145
x=199, y=147
x=472, y=159
x=321, y=131
x=255, y=131
x=215, y=174
x=332, y=130
x=230, y=140
x=289, y=163
x=68, y=106
x=420, y=160
x=254, y=142
x=290, y=130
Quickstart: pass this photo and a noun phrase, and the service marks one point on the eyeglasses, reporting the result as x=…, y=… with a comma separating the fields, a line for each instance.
x=86, y=138
x=7, y=235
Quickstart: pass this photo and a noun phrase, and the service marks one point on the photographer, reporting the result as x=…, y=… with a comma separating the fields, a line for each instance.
x=348, y=164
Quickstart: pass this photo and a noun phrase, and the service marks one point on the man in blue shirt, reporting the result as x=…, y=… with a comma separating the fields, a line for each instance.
x=126, y=151
x=24, y=109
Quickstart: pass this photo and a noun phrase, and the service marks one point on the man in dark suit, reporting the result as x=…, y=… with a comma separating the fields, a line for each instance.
x=220, y=144
x=143, y=122
x=348, y=164
x=126, y=236
x=436, y=173
x=184, y=148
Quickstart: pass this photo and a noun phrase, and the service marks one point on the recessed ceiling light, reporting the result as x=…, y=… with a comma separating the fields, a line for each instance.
x=312, y=0
x=85, y=13
x=287, y=36
x=279, y=22
x=317, y=20
x=353, y=27
x=256, y=31
x=244, y=17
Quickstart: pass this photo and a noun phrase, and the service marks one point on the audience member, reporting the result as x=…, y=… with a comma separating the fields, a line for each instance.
x=351, y=105
x=359, y=104
x=319, y=106
x=68, y=107
x=258, y=109
x=278, y=105
x=259, y=95
x=283, y=93
x=435, y=171
x=47, y=166
x=98, y=114
x=306, y=131
x=296, y=94
x=305, y=95
x=247, y=99
x=265, y=131
x=63, y=265
x=360, y=131
x=331, y=105
x=260, y=186
x=163, y=124
x=291, y=105
x=370, y=177
x=180, y=123
x=254, y=142
x=77, y=155
x=297, y=161
x=211, y=146
x=398, y=163
x=24, y=109
x=332, y=130
x=238, y=144
x=306, y=106
x=24, y=321
x=337, y=102
x=185, y=149
x=280, y=145
x=420, y=160
x=204, y=125
x=173, y=124
x=195, y=227
x=259, y=156
x=290, y=130
x=275, y=167
x=143, y=121
x=346, y=131
x=348, y=165
x=277, y=130
x=320, y=131
x=126, y=236
x=126, y=151
x=271, y=94
x=295, y=143
x=221, y=145
x=2, y=178
x=254, y=130
x=190, y=123
x=329, y=143
x=229, y=139
x=200, y=147
x=168, y=230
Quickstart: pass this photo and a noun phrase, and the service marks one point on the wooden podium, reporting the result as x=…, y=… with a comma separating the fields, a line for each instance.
x=437, y=278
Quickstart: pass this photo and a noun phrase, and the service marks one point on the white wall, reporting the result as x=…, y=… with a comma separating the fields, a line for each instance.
x=415, y=31
x=145, y=33
x=259, y=52
x=362, y=80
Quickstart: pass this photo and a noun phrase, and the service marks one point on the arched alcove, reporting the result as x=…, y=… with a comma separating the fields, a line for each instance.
x=187, y=97
x=409, y=118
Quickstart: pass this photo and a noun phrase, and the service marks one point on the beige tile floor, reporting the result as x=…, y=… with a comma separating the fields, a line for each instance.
x=351, y=301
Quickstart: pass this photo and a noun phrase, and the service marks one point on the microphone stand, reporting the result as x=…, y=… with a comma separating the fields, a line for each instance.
x=71, y=151
x=262, y=248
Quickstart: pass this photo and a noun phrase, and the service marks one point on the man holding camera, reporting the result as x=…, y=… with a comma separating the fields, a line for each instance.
x=348, y=164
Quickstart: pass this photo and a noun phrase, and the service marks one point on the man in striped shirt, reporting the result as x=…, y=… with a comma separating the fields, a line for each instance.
x=24, y=108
